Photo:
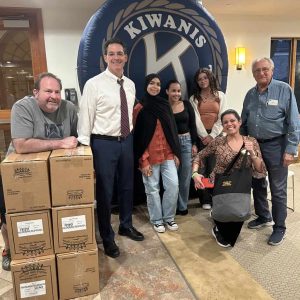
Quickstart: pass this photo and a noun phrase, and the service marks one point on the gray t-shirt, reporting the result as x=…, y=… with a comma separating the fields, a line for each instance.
x=29, y=121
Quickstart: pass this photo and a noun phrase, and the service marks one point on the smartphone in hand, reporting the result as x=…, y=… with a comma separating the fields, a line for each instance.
x=208, y=183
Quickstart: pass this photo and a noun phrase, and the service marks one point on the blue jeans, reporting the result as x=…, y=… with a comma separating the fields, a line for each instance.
x=184, y=171
x=272, y=153
x=162, y=210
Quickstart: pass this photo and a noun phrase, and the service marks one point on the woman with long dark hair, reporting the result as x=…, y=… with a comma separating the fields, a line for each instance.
x=208, y=103
x=187, y=134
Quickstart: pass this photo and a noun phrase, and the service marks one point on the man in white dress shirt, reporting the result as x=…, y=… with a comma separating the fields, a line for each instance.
x=100, y=126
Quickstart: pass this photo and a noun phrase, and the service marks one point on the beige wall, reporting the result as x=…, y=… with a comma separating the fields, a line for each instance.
x=63, y=26
x=254, y=34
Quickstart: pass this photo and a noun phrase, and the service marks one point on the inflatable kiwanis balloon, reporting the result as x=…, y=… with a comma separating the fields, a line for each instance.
x=171, y=38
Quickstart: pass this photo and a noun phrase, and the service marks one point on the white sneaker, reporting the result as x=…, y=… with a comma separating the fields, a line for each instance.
x=172, y=225
x=159, y=228
x=206, y=206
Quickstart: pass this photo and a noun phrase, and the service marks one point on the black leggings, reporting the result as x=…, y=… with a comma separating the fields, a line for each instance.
x=229, y=230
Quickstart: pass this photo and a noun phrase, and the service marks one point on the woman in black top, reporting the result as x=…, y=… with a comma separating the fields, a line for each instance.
x=187, y=134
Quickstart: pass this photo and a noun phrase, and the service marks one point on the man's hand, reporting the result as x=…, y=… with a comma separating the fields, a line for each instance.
x=288, y=159
x=33, y=145
x=69, y=142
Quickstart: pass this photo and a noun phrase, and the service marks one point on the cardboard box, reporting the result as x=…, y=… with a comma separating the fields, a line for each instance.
x=78, y=274
x=35, y=278
x=26, y=182
x=73, y=228
x=72, y=176
x=30, y=234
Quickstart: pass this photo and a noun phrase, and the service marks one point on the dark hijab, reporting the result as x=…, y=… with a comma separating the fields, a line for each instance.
x=154, y=108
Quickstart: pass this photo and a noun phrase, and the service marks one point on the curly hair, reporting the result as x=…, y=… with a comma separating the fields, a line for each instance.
x=212, y=83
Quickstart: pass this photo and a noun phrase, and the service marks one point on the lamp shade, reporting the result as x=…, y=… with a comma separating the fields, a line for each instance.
x=240, y=57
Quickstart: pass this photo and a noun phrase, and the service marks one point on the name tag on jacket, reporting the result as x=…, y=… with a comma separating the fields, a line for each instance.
x=273, y=102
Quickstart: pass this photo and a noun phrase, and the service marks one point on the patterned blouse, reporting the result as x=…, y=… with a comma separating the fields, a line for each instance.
x=224, y=155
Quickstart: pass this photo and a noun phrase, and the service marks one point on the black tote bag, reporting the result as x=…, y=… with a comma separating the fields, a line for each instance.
x=232, y=193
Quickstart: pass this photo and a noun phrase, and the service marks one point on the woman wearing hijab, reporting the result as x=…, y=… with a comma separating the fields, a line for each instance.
x=157, y=152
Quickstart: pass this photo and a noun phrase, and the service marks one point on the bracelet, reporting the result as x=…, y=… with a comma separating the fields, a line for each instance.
x=194, y=174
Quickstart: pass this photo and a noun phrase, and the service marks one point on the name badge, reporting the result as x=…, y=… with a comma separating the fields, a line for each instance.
x=273, y=102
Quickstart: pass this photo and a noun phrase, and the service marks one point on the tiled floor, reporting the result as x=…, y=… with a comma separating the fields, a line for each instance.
x=189, y=265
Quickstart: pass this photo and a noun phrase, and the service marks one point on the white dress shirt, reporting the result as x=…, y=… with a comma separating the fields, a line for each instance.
x=100, y=106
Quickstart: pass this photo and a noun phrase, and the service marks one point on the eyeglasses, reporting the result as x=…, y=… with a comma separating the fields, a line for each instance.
x=264, y=70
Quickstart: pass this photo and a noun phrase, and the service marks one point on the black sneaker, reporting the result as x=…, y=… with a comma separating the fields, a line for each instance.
x=6, y=260
x=219, y=239
x=260, y=222
x=277, y=237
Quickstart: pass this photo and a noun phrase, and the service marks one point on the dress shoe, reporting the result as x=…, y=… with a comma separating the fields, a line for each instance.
x=111, y=249
x=182, y=212
x=132, y=233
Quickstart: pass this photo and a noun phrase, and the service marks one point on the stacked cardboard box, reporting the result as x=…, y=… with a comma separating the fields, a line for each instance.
x=69, y=234
x=26, y=190
x=35, y=279
x=72, y=191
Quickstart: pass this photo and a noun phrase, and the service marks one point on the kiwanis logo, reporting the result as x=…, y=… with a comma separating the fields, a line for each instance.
x=171, y=38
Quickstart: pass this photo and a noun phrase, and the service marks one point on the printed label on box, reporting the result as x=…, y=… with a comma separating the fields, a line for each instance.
x=73, y=223
x=22, y=173
x=74, y=195
x=30, y=227
x=33, y=289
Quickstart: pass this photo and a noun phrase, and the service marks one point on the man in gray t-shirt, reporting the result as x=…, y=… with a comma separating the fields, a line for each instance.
x=39, y=123
x=44, y=121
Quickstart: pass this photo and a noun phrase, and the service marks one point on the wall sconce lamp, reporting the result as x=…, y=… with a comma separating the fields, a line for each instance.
x=240, y=57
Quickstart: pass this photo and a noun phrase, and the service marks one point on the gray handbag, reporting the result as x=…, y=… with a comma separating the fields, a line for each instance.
x=232, y=193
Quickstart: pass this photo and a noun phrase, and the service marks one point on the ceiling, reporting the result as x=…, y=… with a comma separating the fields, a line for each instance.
x=253, y=7
x=215, y=7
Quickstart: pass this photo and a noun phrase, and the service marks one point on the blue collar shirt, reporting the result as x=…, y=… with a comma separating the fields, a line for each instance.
x=272, y=113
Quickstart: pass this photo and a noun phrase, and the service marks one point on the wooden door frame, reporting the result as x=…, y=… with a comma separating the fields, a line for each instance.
x=36, y=34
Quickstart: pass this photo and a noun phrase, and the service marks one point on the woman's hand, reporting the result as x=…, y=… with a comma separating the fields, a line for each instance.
x=177, y=162
x=147, y=171
x=194, y=150
x=206, y=140
x=249, y=147
x=198, y=181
